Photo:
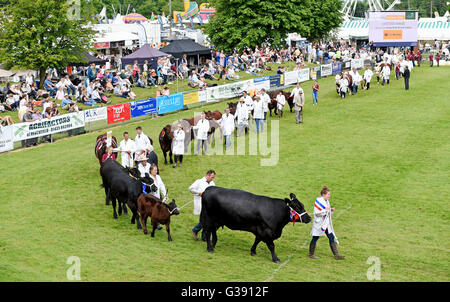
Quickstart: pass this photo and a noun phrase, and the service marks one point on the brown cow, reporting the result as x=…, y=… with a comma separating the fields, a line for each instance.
x=158, y=211
x=100, y=146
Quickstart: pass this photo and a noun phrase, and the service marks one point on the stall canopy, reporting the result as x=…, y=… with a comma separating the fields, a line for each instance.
x=146, y=52
x=178, y=48
x=134, y=17
x=88, y=60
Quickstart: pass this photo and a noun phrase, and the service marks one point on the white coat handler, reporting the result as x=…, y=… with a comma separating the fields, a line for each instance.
x=323, y=224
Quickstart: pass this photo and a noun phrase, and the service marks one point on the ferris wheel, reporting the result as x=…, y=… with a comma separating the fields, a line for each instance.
x=348, y=9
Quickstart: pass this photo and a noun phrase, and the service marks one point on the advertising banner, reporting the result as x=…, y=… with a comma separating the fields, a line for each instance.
x=228, y=91
x=48, y=126
x=202, y=96
x=95, y=114
x=393, y=28
x=170, y=103
x=337, y=67
x=190, y=98
x=314, y=73
x=326, y=70
x=290, y=77
x=143, y=107
x=357, y=63
x=118, y=113
x=6, y=138
x=275, y=80
x=260, y=83
x=303, y=75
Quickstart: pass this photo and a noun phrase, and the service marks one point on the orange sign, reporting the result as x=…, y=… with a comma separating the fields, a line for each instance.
x=392, y=34
x=395, y=17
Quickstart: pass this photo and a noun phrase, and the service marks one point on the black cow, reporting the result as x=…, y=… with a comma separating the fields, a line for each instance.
x=263, y=216
x=120, y=184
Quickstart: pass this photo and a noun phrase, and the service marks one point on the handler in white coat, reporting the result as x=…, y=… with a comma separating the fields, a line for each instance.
x=258, y=114
x=241, y=115
x=250, y=105
x=142, y=144
x=227, y=124
x=265, y=98
x=386, y=73
x=323, y=224
x=202, y=128
x=367, y=77
x=178, y=145
x=126, y=148
x=197, y=188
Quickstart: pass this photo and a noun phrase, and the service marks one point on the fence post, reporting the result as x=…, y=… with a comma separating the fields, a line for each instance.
x=89, y=126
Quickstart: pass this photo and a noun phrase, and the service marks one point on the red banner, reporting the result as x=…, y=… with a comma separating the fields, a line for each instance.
x=119, y=113
x=101, y=45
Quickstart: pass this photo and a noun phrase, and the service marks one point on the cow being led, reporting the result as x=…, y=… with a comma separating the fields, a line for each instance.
x=263, y=216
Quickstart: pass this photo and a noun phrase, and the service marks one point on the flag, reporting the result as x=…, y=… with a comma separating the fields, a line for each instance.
x=103, y=12
x=163, y=15
x=153, y=17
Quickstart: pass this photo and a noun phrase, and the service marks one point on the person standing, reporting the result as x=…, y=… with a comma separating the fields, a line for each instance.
x=265, y=98
x=143, y=166
x=368, y=77
x=438, y=57
x=142, y=144
x=315, y=92
x=386, y=72
x=197, y=188
x=299, y=102
x=343, y=85
x=431, y=59
x=178, y=145
x=323, y=224
x=258, y=113
x=127, y=147
x=241, y=115
x=281, y=101
x=227, y=124
x=202, y=133
x=157, y=181
x=406, y=75
x=249, y=102
x=109, y=154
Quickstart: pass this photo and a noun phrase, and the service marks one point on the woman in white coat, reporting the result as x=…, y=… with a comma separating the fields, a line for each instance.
x=178, y=145
x=323, y=224
x=161, y=188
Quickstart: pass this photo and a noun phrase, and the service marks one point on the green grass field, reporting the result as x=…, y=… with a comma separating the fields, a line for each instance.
x=384, y=153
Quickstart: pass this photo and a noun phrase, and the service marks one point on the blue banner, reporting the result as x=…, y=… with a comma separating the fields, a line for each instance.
x=337, y=67
x=170, y=103
x=275, y=80
x=143, y=107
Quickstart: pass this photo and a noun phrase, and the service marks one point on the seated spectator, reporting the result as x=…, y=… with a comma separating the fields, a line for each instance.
x=6, y=120
x=66, y=102
x=202, y=85
x=10, y=103
x=140, y=81
x=73, y=108
x=166, y=91
x=23, y=110
x=55, y=111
